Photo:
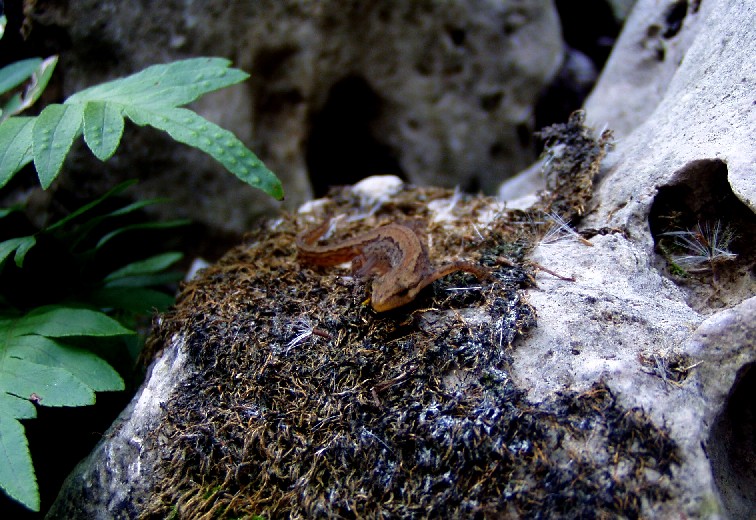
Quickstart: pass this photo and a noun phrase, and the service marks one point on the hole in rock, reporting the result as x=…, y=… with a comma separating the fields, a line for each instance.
x=342, y=148
x=491, y=102
x=703, y=234
x=732, y=447
x=524, y=135
x=272, y=63
x=497, y=150
x=674, y=18
x=589, y=27
x=456, y=35
x=473, y=185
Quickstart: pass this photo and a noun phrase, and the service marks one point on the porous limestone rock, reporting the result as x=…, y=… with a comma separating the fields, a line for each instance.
x=296, y=399
x=623, y=322
x=442, y=92
x=678, y=89
x=705, y=108
x=621, y=373
x=654, y=40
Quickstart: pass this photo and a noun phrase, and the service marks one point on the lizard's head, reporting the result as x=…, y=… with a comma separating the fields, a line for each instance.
x=390, y=296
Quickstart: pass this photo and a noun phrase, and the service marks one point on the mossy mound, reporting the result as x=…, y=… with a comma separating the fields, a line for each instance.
x=304, y=402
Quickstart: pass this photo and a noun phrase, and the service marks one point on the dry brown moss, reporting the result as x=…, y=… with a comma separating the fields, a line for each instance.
x=303, y=402
x=573, y=158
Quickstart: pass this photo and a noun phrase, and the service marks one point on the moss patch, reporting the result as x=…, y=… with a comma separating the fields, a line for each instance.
x=573, y=156
x=304, y=402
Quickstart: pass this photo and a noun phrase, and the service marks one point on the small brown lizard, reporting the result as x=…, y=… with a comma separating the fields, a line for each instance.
x=393, y=254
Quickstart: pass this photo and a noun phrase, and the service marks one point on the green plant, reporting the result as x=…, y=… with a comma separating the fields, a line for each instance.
x=46, y=353
x=151, y=97
x=38, y=366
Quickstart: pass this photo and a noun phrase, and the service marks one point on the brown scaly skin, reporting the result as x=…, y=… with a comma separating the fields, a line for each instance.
x=392, y=254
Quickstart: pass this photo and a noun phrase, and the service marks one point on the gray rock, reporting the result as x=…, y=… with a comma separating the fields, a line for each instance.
x=654, y=40
x=621, y=326
x=678, y=87
x=337, y=91
x=725, y=344
x=116, y=479
x=679, y=92
x=621, y=8
x=706, y=82
x=622, y=322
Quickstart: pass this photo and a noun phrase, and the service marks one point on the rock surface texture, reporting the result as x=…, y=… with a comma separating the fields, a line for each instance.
x=440, y=92
x=679, y=90
x=611, y=370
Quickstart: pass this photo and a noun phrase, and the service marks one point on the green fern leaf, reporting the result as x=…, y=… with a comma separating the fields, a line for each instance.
x=88, y=368
x=139, y=300
x=50, y=386
x=189, y=128
x=162, y=224
x=16, y=73
x=144, y=280
x=15, y=146
x=170, y=84
x=20, y=245
x=103, y=128
x=150, y=97
x=60, y=322
x=16, y=407
x=40, y=77
x=17, y=478
x=35, y=368
x=90, y=205
x=52, y=137
x=151, y=265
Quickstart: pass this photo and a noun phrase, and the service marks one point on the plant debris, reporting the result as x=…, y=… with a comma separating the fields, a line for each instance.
x=703, y=234
x=673, y=369
x=573, y=158
x=304, y=402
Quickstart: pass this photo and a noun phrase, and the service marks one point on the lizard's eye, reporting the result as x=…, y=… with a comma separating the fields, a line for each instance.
x=403, y=292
